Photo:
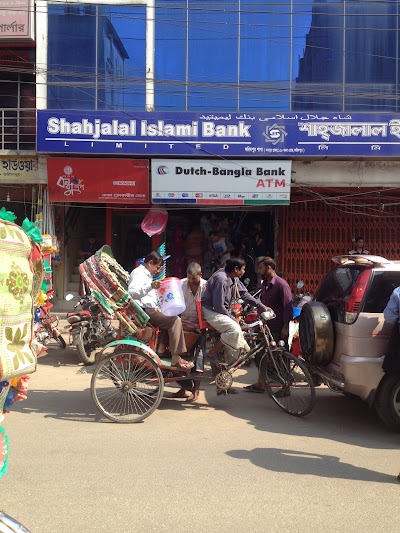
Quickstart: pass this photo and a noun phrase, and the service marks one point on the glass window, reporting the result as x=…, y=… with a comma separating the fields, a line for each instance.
x=317, y=55
x=265, y=55
x=227, y=55
x=170, y=68
x=371, y=49
x=96, y=57
x=213, y=31
x=382, y=286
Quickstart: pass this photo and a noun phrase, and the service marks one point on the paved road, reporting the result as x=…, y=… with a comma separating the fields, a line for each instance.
x=228, y=464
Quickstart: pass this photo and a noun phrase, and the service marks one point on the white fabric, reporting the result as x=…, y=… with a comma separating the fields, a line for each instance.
x=231, y=333
x=190, y=313
x=140, y=288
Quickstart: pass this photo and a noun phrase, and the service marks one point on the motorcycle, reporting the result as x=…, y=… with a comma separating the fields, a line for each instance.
x=90, y=329
x=46, y=327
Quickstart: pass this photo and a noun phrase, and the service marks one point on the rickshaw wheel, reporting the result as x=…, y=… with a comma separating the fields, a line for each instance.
x=127, y=386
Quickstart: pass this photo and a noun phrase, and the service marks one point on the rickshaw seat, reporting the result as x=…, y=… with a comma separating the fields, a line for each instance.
x=203, y=324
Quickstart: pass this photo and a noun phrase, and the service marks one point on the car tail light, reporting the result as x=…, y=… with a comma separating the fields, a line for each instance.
x=352, y=306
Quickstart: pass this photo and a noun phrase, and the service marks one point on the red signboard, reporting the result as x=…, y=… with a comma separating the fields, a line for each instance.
x=109, y=181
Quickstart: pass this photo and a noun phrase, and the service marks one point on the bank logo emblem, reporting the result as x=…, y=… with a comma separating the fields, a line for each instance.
x=274, y=134
x=162, y=170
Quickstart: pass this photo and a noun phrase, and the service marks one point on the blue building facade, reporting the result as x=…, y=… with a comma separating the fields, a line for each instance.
x=228, y=55
x=312, y=81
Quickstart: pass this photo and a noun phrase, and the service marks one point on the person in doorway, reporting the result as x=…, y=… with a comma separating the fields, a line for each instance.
x=221, y=249
x=89, y=247
x=194, y=246
x=276, y=294
x=216, y=304
x=359, y=247
x=193, y=287
x=142, y=288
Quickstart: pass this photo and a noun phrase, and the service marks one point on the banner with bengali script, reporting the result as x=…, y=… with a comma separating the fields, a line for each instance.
x=205, y=135
x=20, y=170
x=87, y=180
x=16, y=20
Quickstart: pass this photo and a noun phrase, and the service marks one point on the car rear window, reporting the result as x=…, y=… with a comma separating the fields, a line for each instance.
x=336, y=288
x=338, y=284
x=379, y=291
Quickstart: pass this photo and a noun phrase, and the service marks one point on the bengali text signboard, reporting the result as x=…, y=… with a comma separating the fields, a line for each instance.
x=189, y=134
x=119, y=181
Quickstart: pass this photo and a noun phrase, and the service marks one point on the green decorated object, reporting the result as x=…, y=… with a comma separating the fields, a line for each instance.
x=108, y=283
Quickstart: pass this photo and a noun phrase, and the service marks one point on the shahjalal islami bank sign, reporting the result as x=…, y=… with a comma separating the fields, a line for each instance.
x=218, y=134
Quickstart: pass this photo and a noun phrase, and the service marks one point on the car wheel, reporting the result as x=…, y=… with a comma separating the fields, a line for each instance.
x=387, y=401
x=316, y=334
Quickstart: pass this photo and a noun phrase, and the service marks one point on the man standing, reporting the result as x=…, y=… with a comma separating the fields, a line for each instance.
x=193, y=287
x=275, y=293
x=216, y=305
x=142, y=288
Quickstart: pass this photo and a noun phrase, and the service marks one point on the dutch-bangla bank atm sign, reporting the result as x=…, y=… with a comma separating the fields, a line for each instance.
x=221, y=182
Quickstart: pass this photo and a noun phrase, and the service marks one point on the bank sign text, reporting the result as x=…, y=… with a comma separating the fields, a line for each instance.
x=218, y=134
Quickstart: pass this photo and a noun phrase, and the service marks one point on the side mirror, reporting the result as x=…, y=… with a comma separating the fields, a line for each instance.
x=69, y=297
x=300, y=284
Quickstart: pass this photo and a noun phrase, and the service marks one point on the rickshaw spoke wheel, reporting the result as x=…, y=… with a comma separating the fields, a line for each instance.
x=127, y=386
x=288, y=382
x=224, y=380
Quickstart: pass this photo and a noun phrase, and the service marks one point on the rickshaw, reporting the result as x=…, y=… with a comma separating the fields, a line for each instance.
x=128, y=382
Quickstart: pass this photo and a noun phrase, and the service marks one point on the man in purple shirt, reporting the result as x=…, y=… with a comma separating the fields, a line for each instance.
x=276, y=294
x=216, y=305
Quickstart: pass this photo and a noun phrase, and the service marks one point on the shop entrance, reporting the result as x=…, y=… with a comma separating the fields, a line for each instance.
x=250, y=234
x=128, y=242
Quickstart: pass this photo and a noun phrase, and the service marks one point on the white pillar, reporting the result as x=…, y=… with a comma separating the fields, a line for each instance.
x=41, y=54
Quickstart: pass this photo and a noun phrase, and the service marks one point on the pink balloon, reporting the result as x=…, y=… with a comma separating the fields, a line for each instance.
x=155, y=221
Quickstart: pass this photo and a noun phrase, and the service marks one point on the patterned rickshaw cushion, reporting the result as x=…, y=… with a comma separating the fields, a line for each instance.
x=108, y=283
x=18, y=286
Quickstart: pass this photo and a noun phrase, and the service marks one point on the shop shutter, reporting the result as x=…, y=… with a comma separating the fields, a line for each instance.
x=311, y=233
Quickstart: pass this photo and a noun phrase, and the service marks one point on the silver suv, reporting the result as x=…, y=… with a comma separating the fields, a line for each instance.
x=343, y=334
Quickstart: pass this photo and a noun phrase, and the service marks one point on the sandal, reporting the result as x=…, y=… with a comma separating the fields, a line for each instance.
x=182, y=365
x=254, y=388
x=221, y=392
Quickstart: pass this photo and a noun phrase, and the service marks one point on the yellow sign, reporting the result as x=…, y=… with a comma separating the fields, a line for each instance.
x=19, y=170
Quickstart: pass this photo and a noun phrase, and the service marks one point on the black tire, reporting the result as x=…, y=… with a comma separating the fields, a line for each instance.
x=316, y=334
x=387, y=401
x=86, y=354
x=60, y=340
x=127, y=386
x=288, y=382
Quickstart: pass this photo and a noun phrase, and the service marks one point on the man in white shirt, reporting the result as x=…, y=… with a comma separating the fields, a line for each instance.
x=142, y=288
x=193, y=287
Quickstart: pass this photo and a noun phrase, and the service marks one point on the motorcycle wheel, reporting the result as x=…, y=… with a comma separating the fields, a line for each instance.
x=86, y=356
x=59, y=338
